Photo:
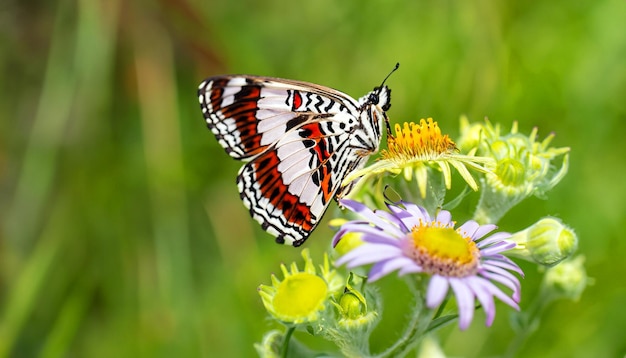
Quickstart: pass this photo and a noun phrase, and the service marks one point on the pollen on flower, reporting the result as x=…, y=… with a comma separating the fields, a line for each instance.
x=443, y=250
x=422, y=142
x=416, y=150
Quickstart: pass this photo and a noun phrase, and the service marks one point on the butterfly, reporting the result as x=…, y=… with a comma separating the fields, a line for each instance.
x=298, y=140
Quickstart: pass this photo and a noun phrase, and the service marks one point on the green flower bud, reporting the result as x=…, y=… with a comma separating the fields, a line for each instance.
x=567, y=280
x=352, y=306
x=511, y=172
x=523, y=167
x=547, y=242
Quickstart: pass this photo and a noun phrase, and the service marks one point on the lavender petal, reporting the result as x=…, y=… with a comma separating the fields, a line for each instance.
x=367, y=254
x=444, y=217
x=483, y=230
x=383, y=268
x=469, y=228
x=437, y=290
x=499, y=236
x=484, y=297
x=465, y=302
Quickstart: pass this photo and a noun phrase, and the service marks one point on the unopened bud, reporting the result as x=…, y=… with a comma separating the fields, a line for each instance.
x=352, y=306
x=547, y=242
x=568, y=279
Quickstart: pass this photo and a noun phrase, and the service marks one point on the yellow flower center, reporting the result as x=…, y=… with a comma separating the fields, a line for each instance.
x=421, y=142
x=299, y=296
x=443, y=251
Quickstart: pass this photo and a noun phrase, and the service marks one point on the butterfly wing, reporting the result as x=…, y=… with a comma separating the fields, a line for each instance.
x=289, y=187
x=297, y=138
x=249, y=113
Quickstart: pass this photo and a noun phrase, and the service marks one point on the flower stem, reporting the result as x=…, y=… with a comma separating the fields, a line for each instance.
x=285, y=347
x=529, y=323
x=440, y=309
x=420, y=318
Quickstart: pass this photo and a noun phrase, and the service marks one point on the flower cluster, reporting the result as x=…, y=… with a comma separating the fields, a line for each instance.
x=523, y=166
x=414, y=236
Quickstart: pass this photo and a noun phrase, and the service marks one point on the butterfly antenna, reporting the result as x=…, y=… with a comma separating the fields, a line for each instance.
x=392, y=71
x=380, y=89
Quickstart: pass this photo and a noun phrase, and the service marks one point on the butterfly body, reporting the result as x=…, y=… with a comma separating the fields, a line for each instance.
x=298, y=140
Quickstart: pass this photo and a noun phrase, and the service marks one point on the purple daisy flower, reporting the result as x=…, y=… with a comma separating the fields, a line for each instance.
x=406, y=239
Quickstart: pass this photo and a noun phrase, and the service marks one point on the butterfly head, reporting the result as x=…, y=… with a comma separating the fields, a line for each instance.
x=381, y=95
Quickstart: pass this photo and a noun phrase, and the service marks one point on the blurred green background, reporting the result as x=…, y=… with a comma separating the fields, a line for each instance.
x=122, y=233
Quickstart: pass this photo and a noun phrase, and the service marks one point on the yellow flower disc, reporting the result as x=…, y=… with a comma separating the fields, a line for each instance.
x=299, y=296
